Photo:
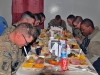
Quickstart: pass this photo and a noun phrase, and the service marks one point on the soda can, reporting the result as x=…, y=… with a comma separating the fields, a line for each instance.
x=64, y=64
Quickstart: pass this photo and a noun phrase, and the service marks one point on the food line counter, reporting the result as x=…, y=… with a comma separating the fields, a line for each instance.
x=86, y=69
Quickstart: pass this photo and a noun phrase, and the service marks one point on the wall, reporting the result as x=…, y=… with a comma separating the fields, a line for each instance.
x=5, y=10
x=85, y=8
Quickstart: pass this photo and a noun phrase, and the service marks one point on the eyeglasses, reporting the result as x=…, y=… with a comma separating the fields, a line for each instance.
x=84, y=29
x=25, y=40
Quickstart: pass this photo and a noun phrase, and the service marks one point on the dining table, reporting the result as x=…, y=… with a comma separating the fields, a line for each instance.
x=56, y=70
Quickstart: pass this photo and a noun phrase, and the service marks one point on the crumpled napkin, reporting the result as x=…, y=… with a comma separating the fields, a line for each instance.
x=55, y=47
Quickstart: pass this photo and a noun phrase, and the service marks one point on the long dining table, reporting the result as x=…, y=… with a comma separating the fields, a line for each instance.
x=73, y=69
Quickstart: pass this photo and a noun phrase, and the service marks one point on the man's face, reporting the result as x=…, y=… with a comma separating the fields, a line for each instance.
x=21, y=40
x=85, y=30
x=31, y=21
x=58, y=21
x=42, y=20
x=69, y=21
x=77, y=24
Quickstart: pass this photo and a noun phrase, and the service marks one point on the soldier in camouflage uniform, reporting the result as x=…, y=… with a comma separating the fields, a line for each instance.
x=57, y=22
x=9, y=43
x=76, y=22
x=26, y=17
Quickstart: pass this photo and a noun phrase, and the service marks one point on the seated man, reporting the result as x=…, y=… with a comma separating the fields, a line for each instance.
x=10, y=56
x=25, y=17
x=91, y=43
x=76, y=22
x=70, y=19
x=37, y=23
x=58, y=22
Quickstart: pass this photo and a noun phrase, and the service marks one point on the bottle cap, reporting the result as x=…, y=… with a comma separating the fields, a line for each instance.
x=63, y=45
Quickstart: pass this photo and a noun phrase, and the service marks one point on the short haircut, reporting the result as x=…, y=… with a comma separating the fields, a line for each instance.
x=78, y=19
x=71, y=16
x=87, y=22
x=26, y=29
x=42, y=15
x=37, y=17
x=27, y=15
x=58, y=17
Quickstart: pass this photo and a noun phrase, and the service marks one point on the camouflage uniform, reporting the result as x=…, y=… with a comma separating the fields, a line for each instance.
x=78, y=33
x=18, y=57
x=93, y=49
x=53, y=23
x=38, y=30
x=9, y=29
x=7, y=55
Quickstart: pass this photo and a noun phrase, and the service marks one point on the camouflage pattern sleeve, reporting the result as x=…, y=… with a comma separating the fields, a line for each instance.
x=5, y=61
x=8, y=30
x=64, y=25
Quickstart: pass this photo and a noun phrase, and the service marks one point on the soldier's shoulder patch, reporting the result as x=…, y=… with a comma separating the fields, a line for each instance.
x=6, y=54
x=5, y=65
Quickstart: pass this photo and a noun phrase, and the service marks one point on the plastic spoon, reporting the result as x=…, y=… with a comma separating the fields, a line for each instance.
x=79, y=52
x=26, y=53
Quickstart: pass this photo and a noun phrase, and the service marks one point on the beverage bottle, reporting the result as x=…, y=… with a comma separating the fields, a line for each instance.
x=64, y=58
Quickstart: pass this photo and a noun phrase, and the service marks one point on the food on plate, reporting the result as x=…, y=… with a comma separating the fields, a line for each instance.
x=56, y=37
x=74, y=45
x=78, y=60
x=43, y=30
x=71, y=54
x=27, y=65
x=53, y=62
x=39, y=61
x=45, y=49
x=75, y=61
x=30, y=60
x=42, y=35
x=41, y=43
x=46, y=54
x=38, y=65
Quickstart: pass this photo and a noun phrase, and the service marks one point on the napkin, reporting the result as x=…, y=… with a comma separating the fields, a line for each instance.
x=56, y=28
x=55, y=47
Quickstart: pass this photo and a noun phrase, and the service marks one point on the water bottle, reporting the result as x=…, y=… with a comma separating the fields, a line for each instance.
x=64, y=58
x=63, y=51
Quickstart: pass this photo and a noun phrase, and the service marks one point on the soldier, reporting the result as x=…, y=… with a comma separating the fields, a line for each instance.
x=70, y=19
x=23, y=34
x=76, y=22
x=42, y=19
x=57, y=22
x=91, y=42
x=25, y=17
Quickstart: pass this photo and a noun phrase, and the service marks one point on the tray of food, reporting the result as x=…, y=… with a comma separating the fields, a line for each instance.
x=77, y=60
x=34, y=62
x=52, y=62
x=73, y=46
